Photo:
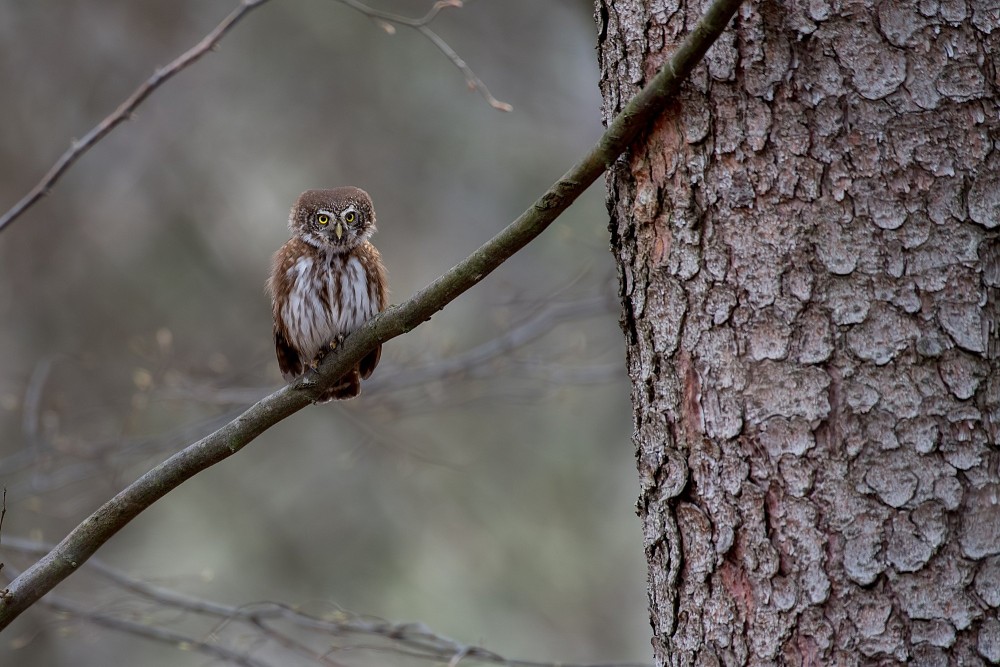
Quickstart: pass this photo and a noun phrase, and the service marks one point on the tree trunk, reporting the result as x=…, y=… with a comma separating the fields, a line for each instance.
x=809, y=269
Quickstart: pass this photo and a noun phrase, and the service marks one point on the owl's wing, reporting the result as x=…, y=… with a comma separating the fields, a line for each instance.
x=368, y=364
x=288, y=357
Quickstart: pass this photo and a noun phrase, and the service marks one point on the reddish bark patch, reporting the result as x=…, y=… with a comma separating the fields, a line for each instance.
x=693, y=422
x=734, y=579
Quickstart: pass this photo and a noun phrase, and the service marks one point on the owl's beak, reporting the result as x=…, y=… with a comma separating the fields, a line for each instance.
x=339, y=230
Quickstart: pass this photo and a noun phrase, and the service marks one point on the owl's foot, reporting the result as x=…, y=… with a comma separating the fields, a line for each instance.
x=330, y=347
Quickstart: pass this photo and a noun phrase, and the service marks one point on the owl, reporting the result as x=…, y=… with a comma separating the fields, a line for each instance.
x=326, y=281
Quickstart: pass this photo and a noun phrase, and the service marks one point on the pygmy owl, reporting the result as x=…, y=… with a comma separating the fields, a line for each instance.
x=326, y=281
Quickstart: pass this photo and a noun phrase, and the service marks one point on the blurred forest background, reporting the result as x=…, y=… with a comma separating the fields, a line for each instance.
x=484, y=483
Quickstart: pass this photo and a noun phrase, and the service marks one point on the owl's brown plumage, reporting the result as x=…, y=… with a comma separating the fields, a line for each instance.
x=326, y=281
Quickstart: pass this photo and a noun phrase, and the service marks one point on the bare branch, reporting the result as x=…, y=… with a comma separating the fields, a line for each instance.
x=422, y=25
x=99, y=527
x=476, y=362
x=126, y=109
x=473, y=81
x=409, y=638
x=151, y=632
x=534, y=327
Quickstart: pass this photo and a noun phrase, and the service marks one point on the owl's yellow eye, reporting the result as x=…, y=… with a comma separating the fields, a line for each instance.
x=350, y=216
x=323, y=219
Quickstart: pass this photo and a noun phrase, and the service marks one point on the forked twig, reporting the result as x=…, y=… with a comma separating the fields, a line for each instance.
x=126, y=109
x=422, y=25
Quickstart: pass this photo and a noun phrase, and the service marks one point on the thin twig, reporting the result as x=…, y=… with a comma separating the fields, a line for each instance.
x=152, y=632
x=31, y=419
x=473, y=81
x=3, y=513
x=418, y=640
x=422, y=25
x=481, y=355
x=469, y=364
x=84, y=540
x=126, y=109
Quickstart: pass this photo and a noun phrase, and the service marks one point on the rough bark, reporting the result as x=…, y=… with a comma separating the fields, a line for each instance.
x=809, y=266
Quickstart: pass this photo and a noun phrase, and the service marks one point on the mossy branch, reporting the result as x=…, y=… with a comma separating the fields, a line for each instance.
x=84, y=540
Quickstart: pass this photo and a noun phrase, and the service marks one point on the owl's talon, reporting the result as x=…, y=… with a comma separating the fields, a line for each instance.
x=337, y=342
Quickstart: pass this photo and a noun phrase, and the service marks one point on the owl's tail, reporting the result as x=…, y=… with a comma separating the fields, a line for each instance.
x=347, y=387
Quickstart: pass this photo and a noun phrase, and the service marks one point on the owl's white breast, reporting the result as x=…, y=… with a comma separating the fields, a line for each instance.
x=328, y=297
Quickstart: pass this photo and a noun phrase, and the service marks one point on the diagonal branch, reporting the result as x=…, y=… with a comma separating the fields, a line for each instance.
x=99, y=527
x=126, y=109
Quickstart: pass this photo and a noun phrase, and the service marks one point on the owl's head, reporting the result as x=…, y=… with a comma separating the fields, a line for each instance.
x=340, y=219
